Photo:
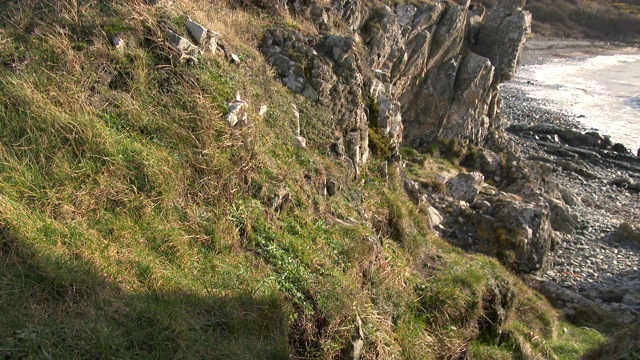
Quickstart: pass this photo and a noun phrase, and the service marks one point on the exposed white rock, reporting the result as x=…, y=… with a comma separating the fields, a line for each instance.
x=197, y=31
x=118, y=42
x=206, y=39
x=237, y=115
x=263, y=110
x=185, y=48
x=296, y=118
x=301, y=141
x=434, y=216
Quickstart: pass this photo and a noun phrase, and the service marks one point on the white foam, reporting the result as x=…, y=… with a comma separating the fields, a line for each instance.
x=605, y=90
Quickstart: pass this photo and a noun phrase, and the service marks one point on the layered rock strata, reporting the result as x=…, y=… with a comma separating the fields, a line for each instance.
x=432, y=69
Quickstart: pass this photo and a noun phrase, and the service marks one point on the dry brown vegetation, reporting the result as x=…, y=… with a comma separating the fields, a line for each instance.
x=595, y=19
x=134, y=223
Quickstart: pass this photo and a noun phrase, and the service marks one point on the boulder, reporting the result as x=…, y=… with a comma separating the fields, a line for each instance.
x=465, y=186
x=628, y=234
x=561, y=217
x=517, y=232
x=487, y=162
x=330, y=75
x=197, y=31
x=522, y=229
x=206, y=39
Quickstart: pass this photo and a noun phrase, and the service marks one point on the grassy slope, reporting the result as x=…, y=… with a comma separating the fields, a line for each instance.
x=135, y=223
x=596, y=19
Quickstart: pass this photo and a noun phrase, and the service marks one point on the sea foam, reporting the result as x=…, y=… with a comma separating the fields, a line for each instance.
x=603, y=92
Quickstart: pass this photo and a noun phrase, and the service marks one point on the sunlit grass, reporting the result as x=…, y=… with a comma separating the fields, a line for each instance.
x=134, y=223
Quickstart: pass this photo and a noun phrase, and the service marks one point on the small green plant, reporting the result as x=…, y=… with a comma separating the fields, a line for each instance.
x=379, y=143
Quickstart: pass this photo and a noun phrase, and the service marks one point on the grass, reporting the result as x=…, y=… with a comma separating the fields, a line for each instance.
x=135, y=224
x=608, y=20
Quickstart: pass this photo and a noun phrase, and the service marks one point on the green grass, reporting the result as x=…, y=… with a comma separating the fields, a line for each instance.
x=135, y=224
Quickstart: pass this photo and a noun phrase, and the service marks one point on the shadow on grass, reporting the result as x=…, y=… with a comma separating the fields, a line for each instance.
x=53, y=307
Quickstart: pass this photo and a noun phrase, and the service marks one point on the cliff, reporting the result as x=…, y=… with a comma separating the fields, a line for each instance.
x=431, y=70
x=236, y=180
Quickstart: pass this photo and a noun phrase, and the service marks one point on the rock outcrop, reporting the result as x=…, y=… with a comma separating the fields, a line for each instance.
x=517, y=232
x=501, y=37
x=419, y=73
x=479, y=217
x=325, y=70
x=435, y=68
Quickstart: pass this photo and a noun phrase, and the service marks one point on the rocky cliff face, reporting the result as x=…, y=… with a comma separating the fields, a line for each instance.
x=421, y=73
x=433, y=70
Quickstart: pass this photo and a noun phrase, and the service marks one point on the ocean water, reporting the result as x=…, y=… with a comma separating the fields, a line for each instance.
x=602, y=92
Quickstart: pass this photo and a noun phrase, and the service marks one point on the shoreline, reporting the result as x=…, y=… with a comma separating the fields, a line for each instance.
x=590, y=267
x=573, y=103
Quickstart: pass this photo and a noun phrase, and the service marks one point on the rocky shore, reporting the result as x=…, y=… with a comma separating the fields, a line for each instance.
x=594, y=270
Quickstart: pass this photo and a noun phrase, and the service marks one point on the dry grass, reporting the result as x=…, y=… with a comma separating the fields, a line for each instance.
x=591, y=19
x=135, y=223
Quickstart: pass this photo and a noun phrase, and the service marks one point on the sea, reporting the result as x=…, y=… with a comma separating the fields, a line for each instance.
x=601, y=91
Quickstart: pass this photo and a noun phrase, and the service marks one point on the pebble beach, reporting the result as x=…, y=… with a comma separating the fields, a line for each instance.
x=589, y=262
